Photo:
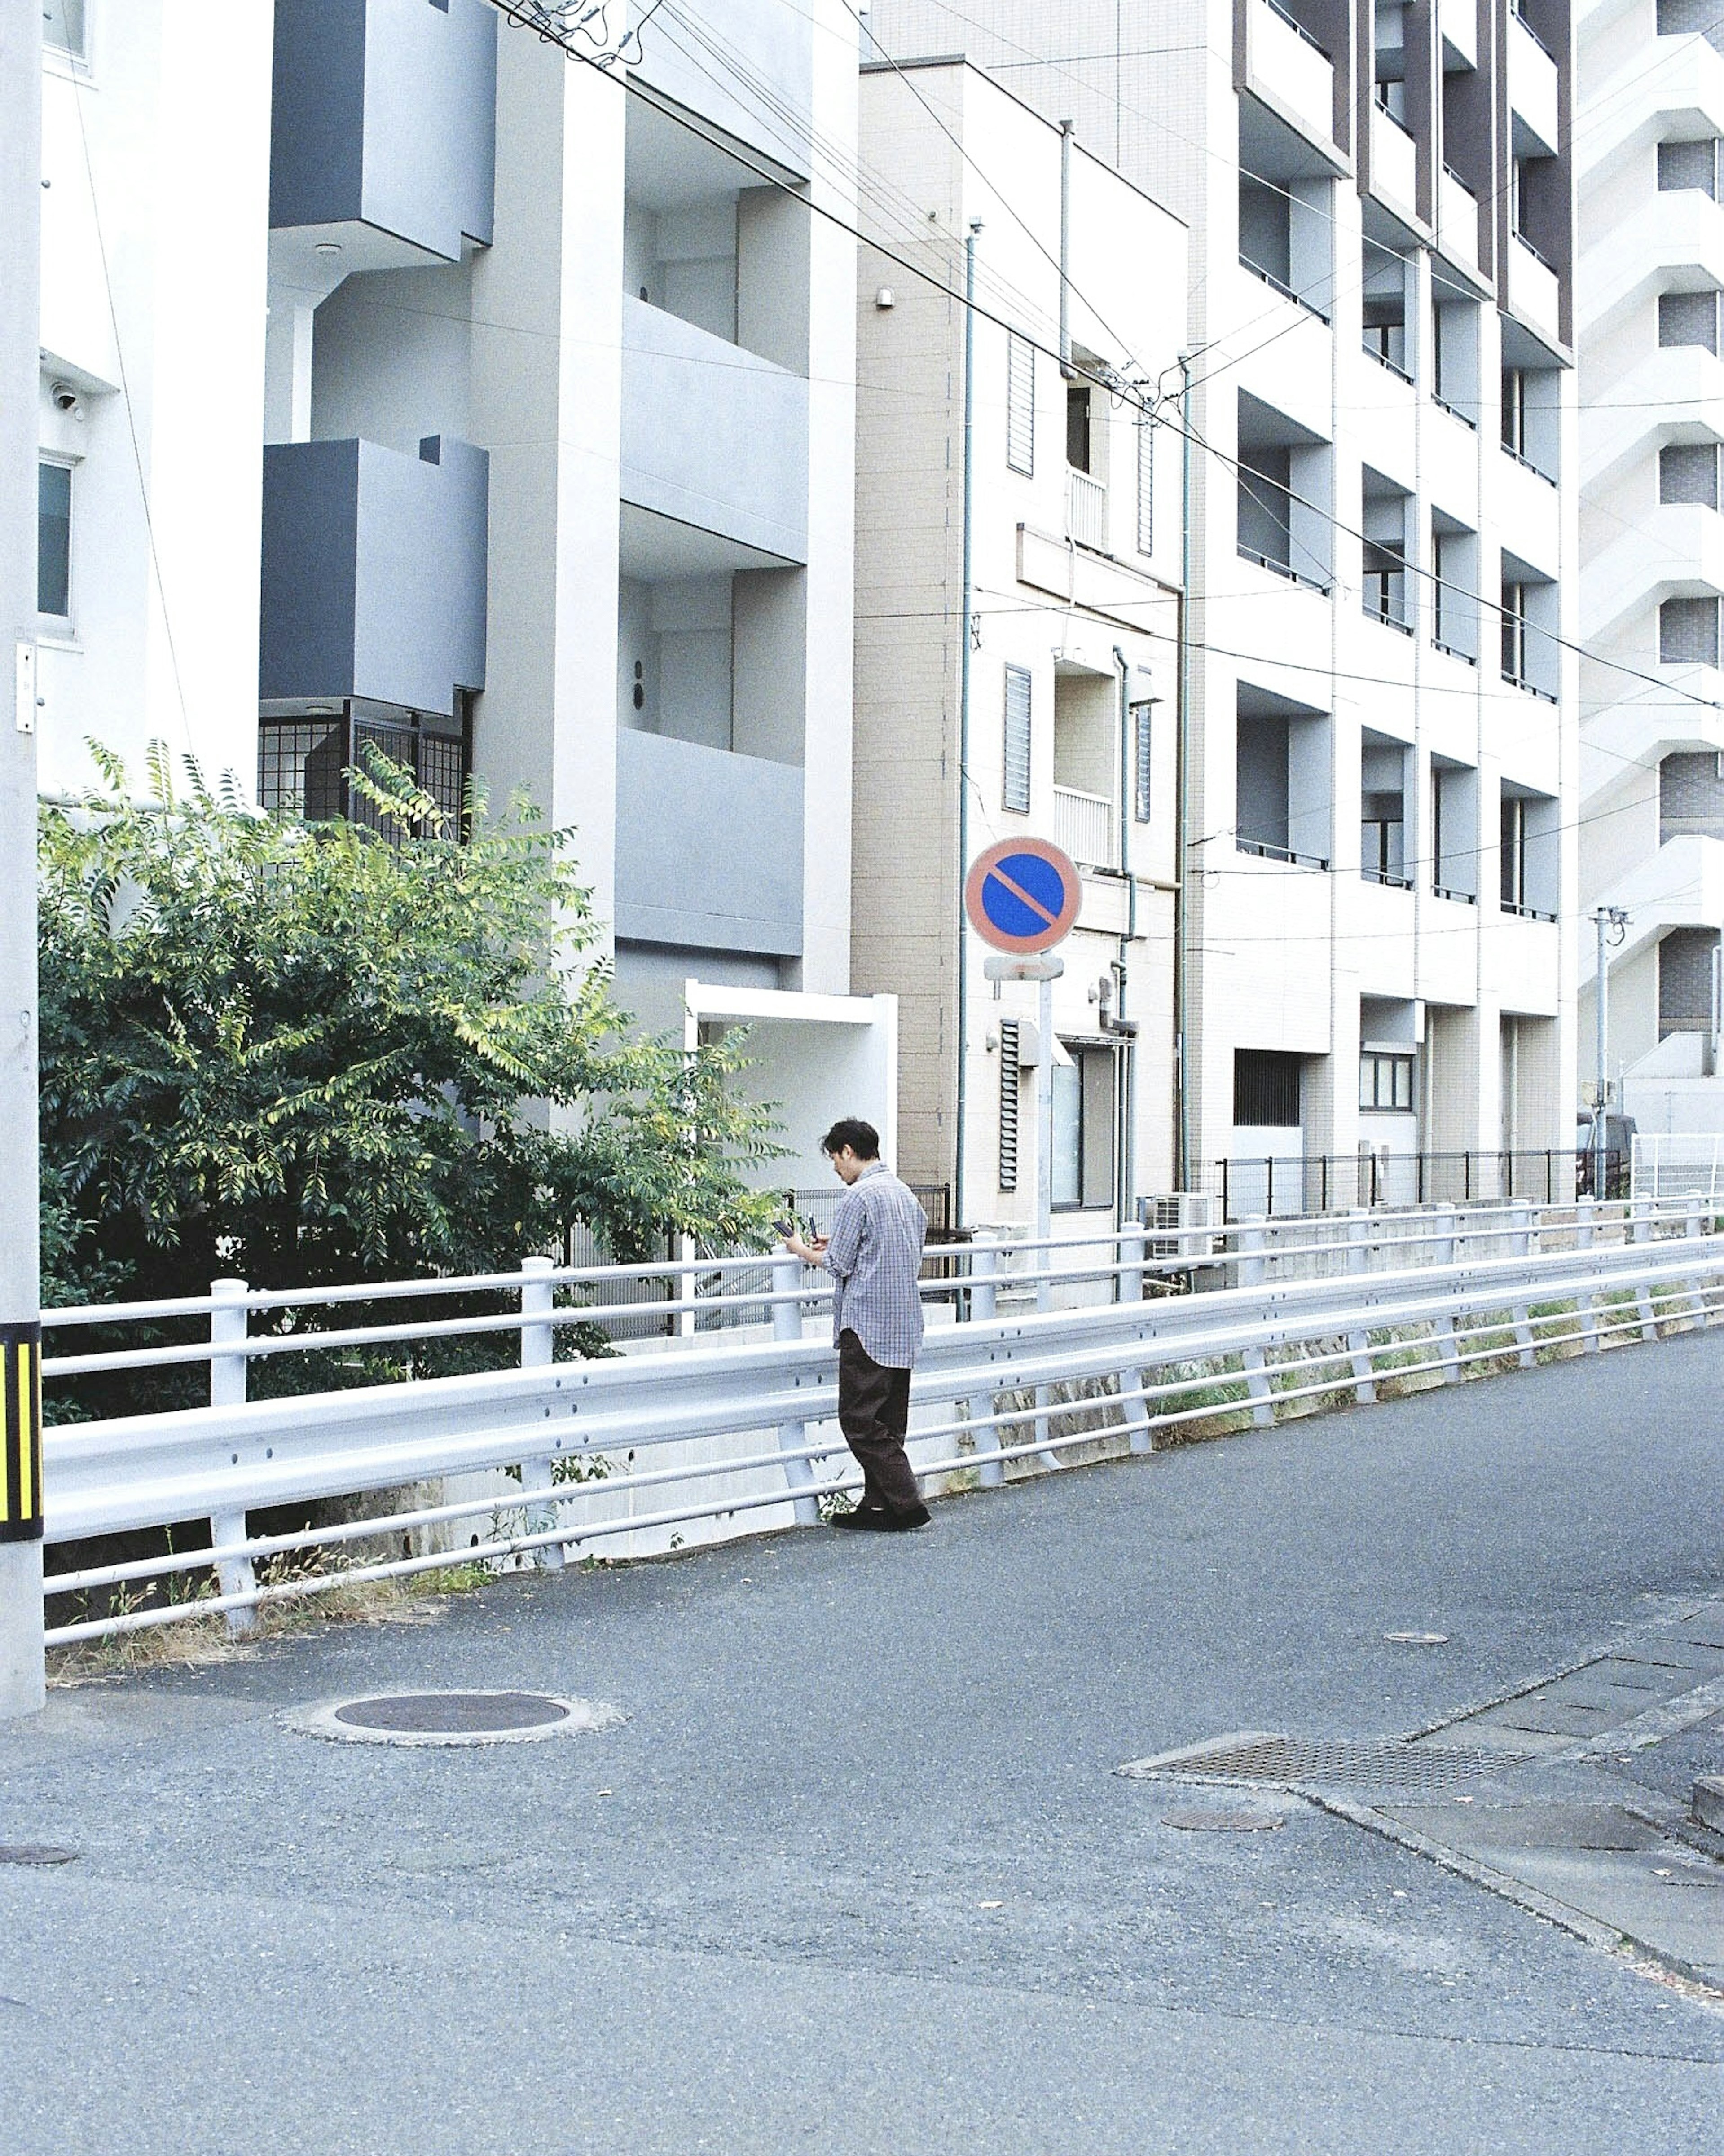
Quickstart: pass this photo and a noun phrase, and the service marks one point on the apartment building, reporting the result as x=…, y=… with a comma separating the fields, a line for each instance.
x=1650, y=282
x=502, y=417
x=1379, y=939
x=1018, y=555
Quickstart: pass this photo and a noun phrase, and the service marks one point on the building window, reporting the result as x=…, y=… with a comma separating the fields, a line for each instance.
x=1514, y=634
x=1689, y=165
x=1084, y=1114
x=54, y=540
x=1266, y=1087
x=1078, y=419
x=1016, y=795
x=65, y=27
x=303, y=763
x=1688, y=632
x=1385, y=1083
x=1011, y=1087
x=1688, y=472
x=1689, y=318
x=1146, y=484
x=1020, y=404
x=1141, y=716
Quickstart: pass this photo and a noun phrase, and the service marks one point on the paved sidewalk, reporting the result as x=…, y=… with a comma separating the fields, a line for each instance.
x=858, y=1874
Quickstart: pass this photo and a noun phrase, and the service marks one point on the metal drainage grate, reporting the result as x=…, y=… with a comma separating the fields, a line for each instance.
x=454, y=1717
x=1293, y=1763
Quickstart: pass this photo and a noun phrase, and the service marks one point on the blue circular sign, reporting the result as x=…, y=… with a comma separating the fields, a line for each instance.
x=1023, y=895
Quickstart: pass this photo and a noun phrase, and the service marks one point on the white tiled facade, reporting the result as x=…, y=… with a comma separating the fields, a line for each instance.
x=1071, y=610
x=1650, y=275
x=1342, y=173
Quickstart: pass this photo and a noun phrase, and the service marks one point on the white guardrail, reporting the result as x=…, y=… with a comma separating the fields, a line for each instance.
x=1092, y=1356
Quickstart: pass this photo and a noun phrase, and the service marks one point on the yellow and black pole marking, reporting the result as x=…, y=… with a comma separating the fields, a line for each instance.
x=21, y=1467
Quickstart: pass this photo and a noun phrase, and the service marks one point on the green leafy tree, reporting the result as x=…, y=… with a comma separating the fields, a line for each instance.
x=310, y=1053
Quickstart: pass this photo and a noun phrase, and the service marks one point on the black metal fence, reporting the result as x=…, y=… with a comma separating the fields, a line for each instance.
x=1366, y=1181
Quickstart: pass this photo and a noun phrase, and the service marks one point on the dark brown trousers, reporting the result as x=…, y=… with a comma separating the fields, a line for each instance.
x=874, y=1413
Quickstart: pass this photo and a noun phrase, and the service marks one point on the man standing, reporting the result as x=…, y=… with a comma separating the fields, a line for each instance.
x=873, y=1254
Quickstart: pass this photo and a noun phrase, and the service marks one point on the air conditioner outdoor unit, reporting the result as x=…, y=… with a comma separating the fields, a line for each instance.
x=1197, y=1212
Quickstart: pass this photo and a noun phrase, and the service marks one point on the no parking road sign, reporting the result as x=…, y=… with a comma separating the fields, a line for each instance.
x=1023, y=895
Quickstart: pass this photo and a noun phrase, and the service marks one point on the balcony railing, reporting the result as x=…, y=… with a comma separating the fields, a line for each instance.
x=1086, y=510
x=1087, y=826
x=1282, y=569
x=1266, y=849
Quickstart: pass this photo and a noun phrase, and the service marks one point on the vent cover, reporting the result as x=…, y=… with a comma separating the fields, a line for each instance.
x=1294, y=1762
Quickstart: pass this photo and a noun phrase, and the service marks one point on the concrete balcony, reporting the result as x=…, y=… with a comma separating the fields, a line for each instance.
x=1628, y=105
x=373, y=580
x=1394, y=163
x=713, y=436
x=1675, y=546
x=1457, y=220
x=1680, y=230
x=1633, y=414
x=1680, y=885
x=1289, y=72
x=1534, y=292
x=383, y=140
x=1532, y=84
x=709, y=847
x=1458, y=20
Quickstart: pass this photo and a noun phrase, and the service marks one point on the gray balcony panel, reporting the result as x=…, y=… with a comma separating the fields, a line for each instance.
x=385, y=114
x=374, y=572
x=775, y=45
x=709, y=847
x=713, y=436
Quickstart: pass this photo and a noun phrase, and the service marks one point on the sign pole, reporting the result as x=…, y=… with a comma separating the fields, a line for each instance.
x=21, y=1657
x=1044, y=1128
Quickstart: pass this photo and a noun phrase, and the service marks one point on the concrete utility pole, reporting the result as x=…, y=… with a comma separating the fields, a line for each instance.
x=1609, y=920
x=21, y=1660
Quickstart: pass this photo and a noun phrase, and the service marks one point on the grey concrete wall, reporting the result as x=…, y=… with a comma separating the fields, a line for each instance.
x=374, y=572
x=385, y=114
x=709, y=848
x=775, y=42
x=712, y=435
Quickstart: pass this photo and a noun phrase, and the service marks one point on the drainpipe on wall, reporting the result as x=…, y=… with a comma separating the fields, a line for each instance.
x=963, y=731
x=1065, y=367
x=1125, y=1028
x=1182, y=1091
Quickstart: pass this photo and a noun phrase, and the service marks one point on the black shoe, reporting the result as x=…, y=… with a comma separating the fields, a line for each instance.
x=879, y=1520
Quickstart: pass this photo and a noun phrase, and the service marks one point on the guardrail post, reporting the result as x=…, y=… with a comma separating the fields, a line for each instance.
x=538, y=1352
x=1586, y=1225
x=229, y=1321
x=1443, y=1249
x=1358, y=1257
x=978, y=1409
x=1691, y=1226
x=1253, y=1268
x=1640, y=1231
x=1523, y=1240
x=1142, y=1438
x=792, y=1436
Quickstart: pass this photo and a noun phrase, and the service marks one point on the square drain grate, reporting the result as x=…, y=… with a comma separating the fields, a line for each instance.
x=1384, y=1764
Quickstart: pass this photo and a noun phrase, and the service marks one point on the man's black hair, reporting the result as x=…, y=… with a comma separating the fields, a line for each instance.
x=862, y=1138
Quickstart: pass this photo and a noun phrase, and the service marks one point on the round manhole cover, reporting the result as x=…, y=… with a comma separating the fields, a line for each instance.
x=454, y=1717
x=1211, y=1819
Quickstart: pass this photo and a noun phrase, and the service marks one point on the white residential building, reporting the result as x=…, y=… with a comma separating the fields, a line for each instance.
x=1649, y=286
x=406, y=381
x=1379, y=935
x=1038, y=697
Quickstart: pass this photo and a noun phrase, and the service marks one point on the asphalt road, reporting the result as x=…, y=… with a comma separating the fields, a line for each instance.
x=856, y=1875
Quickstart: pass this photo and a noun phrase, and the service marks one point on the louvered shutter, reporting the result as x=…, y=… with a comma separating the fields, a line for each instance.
x=1140, y=714
x=1146, y=484
x=1020, y=404
x=1010, y=1081
x=1017, y=758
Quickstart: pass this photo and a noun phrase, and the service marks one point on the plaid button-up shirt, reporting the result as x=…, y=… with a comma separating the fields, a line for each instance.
x=874, y=1258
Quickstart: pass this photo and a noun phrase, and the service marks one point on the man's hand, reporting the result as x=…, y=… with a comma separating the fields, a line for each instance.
x=810, y=1253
